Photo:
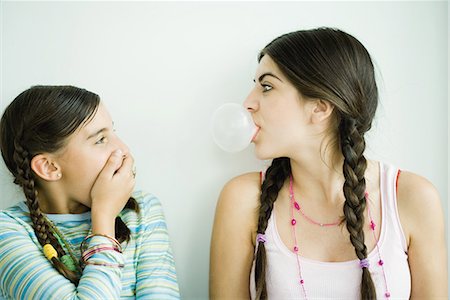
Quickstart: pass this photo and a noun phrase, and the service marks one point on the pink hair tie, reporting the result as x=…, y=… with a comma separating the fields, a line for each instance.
x=261, y=238
x=364, y=263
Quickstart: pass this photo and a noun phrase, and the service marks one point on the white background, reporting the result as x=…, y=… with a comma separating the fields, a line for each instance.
x=163, y=68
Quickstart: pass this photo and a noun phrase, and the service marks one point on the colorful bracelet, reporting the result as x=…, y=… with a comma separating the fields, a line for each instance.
x=105, y=264
x=113, y=240
x=96, y=249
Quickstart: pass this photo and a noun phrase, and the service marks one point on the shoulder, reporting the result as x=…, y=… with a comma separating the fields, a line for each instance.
x=150, y=210
x=15, y=227
x=14, y=216
x=419, y=204
x=416, y=192
x=237, y=207
x=241, y=192
x=147, y=201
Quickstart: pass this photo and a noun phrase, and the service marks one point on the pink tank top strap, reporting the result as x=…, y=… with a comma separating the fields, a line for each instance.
x=390, y=175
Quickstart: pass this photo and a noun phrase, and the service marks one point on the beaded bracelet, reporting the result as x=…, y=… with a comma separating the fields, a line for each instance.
x=113, y=240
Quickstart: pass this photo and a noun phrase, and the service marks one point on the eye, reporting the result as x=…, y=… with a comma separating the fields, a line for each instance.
x=266, y=87
x=102, y=140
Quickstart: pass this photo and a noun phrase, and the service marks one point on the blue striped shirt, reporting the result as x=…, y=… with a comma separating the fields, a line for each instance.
x=149, y=271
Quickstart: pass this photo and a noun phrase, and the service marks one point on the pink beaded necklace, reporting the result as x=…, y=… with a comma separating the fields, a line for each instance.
x=299, y=208
x=363, y=263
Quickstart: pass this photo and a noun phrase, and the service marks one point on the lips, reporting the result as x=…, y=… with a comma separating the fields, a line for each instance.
x=255, y=133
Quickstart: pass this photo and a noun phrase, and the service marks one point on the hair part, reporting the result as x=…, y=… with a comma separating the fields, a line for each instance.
x=41, y=119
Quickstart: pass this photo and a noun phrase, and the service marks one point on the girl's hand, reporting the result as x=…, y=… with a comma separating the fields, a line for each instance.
x=111, y=191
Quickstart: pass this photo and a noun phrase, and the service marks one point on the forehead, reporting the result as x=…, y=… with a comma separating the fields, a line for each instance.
x=100, y=119
x=267, y=65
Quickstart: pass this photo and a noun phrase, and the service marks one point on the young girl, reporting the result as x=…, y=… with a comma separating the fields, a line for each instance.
x=323, y=222
x=81, y=233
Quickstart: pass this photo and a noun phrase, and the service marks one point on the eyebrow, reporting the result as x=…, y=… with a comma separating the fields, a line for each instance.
x=97, y=133
x=267, y=74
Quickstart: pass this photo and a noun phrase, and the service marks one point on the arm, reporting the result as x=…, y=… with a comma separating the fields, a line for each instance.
x=232, y=244
x=423, y=222
x=156, y=275
x=25, y=273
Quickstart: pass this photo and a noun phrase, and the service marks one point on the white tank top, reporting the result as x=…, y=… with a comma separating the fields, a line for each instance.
x=341, y=280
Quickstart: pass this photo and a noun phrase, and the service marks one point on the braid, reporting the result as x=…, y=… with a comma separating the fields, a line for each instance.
x=355, y=164
x=42, y=230
x=122, y=231
x=275, y=177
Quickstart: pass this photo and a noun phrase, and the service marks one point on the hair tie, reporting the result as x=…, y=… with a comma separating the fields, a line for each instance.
x=364, y=263
x=261, y=238
x=49, y=251
x=68, y=262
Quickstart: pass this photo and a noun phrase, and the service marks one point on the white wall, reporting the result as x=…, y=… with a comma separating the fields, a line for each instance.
x=163, y=68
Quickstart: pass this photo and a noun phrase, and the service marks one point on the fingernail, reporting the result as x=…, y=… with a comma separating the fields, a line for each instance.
x=118, y=152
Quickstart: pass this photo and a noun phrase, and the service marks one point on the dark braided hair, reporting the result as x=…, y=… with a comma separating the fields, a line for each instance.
x=333, y=66
x=41, y=119
x=276, y=174
x=353, y=145
x=43, y=233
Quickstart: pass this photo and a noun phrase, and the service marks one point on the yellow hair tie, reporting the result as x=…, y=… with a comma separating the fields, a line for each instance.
x=49, y=251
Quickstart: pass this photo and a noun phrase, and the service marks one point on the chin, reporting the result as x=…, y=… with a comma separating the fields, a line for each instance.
x=263, y=154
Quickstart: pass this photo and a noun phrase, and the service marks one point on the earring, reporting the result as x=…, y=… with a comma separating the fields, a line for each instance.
x=59, y=175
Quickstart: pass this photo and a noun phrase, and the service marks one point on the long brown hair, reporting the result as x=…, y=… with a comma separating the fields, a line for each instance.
x=41, y=119
x=331, y=65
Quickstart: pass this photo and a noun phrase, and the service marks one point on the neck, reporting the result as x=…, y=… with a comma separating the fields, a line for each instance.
x=318, y=176
x=54, y=201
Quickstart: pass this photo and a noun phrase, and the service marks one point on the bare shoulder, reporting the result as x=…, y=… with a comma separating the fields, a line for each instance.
x=419, y=204
x=422, y=220
x=242, y=190
x=239, y=202
x=417, y=192
x=233, y=238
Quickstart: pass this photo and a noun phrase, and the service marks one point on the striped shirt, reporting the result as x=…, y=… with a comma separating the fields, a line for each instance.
x=149, y=271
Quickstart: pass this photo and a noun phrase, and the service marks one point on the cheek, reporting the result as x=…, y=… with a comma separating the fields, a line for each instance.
x=89, y=164
x=98, y=163
x=287, y=123
x=288, y=131
x=295, y=118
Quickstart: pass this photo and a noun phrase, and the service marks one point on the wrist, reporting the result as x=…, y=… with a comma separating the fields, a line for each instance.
x=103, y=223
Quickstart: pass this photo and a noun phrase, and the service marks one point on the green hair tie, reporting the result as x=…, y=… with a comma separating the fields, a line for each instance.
x=68, y=262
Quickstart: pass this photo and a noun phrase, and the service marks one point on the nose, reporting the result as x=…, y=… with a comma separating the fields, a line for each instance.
x=119, y=144
x=251, y=103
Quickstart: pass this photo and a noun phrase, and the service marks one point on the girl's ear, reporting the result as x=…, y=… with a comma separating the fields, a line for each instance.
x=321, y=111
x=44, y=167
